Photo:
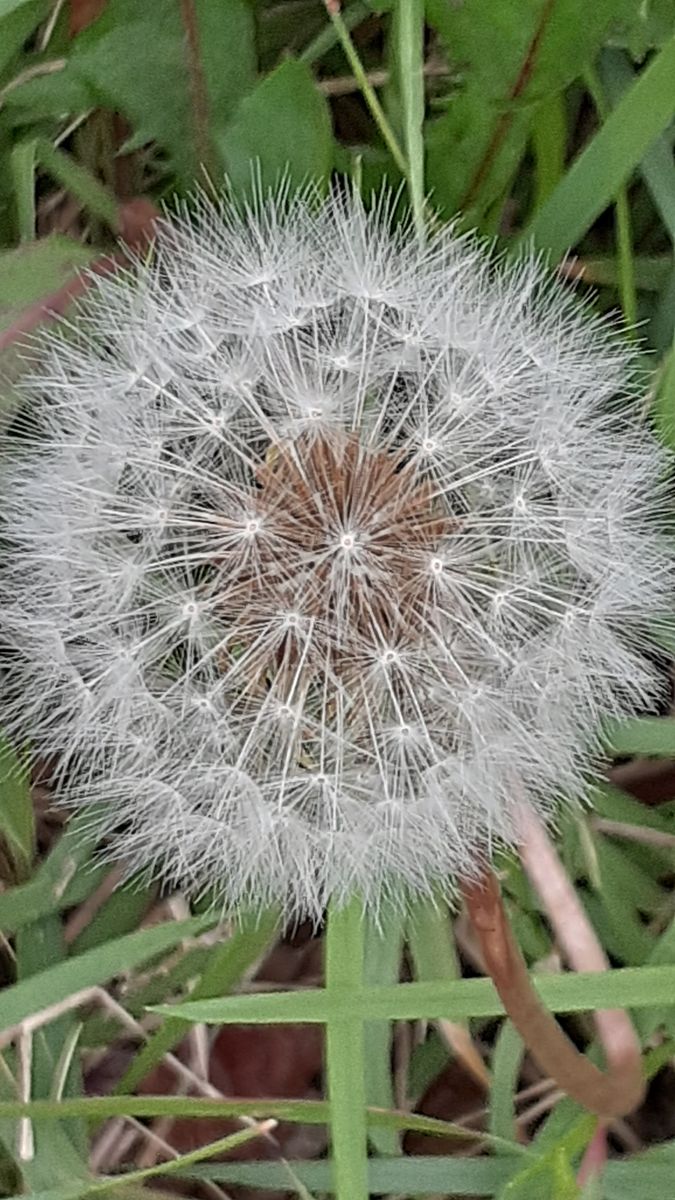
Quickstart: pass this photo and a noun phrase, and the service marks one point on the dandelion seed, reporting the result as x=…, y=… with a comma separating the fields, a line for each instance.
x=324, y=551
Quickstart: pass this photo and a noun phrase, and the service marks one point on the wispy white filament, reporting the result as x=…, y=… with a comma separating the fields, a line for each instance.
x=323, y=551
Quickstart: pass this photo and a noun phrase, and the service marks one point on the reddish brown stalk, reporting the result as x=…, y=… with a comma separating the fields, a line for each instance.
x=506, y=119
x=610, y=1093
x=197, y=82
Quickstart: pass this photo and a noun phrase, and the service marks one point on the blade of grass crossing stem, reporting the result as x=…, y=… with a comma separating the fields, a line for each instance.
x=626, y=987
x=345, y=1051
x=409, y=30
x=228, y=964
x=596, y=175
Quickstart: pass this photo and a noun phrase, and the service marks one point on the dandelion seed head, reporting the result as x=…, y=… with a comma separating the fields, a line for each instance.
x=325, y=549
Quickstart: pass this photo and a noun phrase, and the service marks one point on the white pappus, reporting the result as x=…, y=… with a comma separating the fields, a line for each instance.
x=323, y=549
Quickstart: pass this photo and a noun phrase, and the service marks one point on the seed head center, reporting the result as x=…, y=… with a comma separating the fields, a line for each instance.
x=349, y=532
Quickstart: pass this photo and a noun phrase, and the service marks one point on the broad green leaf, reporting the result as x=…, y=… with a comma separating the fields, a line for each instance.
x=649, y=736
x=282, y=129
x=17, y=829
x=63, y=879
x=95, y=967
x=643, y=26
x=29, y=275
x=178, y=95
x=609, y=159
x=35, y=270
x=547, y=43
x=11, y=6
x=636, y=987
x=512, y=56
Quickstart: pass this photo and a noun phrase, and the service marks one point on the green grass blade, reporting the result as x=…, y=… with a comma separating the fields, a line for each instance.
x=409, y=26
x=302, y=1112
x=596, y=176
x=631, y=987
x=506, y=1060
x=95, y=967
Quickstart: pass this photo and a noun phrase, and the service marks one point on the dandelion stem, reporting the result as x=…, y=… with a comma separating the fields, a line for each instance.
x=345, y=1053
x=611, y=1093
x=367, y=91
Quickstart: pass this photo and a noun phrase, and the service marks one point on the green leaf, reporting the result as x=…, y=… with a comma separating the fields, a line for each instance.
x=513, y=56
x=18, y=19
x=409, y=57
x=551, y=1175
x=637, y=987
x=35, y=270
x=282, y=129
x=63, y=879
x=95, y=967
x=649, y=736
x=180, y=96
x=79, y=181
x=23, y=166
x=10, y=6
x=17, y=826
x=28, y=275
x=609, y=159
x=643, y=26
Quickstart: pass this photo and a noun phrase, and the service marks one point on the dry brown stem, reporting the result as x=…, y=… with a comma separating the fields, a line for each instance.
x=610, y=1093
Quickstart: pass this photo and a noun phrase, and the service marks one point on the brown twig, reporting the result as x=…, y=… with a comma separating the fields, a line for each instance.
x=612, y=1093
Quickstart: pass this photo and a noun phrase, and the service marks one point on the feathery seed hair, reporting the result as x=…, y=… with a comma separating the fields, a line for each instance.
x=323, y=550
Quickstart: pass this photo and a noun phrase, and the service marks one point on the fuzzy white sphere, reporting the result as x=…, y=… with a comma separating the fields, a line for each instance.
x=323, y=550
